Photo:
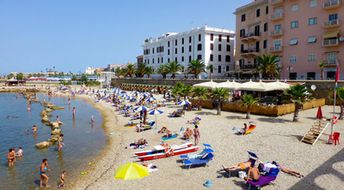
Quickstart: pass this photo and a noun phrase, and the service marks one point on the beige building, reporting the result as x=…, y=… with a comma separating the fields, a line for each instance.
x=303, y=33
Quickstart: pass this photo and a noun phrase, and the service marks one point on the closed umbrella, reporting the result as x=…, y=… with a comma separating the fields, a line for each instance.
x=319, y=113
x=131, y=171
x=209, y=84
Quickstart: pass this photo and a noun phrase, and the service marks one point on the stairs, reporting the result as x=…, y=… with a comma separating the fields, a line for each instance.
x=313, y=135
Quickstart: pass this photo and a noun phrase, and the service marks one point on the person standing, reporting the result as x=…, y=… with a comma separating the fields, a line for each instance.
x=74, y=112
x=11, y=157
x=43, y=169
x=196, y=134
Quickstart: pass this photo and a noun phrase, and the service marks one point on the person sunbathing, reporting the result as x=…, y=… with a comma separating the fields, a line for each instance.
x=287, y=170
x=252, y=174
x=139, y=127
x=240, y=166
x=187, y=134
x=139, y=143
x=165, y=130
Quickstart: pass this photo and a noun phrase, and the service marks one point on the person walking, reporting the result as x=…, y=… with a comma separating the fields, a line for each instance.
x=196, y=134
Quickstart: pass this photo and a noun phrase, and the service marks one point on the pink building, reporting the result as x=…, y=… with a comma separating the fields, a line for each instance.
x=306, y=33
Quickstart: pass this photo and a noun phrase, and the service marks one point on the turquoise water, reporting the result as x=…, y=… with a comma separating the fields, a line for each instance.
x=83, y=141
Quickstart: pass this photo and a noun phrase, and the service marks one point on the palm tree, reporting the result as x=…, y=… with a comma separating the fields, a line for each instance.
x=210, y=69
x=322, y=66
x=173, y=68
x=298, y=94
x=268, y=66
x=118, y=72
x=149, y=71
x=163, y=70
x=196, y=67
x=140, y=70
x=248, y=100
x=130, y=70
x=200, y=93
x=219, y=95
x=340, y=95
x=185, y=91
x=176, y=90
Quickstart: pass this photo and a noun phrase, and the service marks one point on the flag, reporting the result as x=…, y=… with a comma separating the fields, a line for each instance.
x=337, y=73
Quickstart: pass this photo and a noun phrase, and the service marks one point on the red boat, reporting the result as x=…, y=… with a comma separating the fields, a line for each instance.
x=161, y=149
x=167, y=152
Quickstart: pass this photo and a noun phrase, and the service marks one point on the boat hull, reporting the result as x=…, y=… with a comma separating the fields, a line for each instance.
x=149, y=152
x=165, y=155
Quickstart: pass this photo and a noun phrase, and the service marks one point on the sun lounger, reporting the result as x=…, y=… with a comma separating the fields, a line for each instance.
x=263, y=180
x=207, y=149
x=198, y=161
x=250, y=129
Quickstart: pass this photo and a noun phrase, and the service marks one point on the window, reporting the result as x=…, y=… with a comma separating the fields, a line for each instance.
x=220, y=38
x=183, y=49
x=311, y=57
x=176, y=42
x=219, y=69
x=190, y=48
x=294, y=24
x=292, y=76
x=211, y=46
x=220, y=47
x=199, y=47
x=148, y=61
x=190, y=40
x=176, y=59
x=312, y=21
x=199, y=57
x=168, y=52
x=312, y=39
x=228, y=48
x=219, y=58
x=189, y=58
x=212, y=37
x=265, y=44
x=313, y=3
x=228, y=39
x=162, y=60
x=227, y=68
x=153, y=50
x=199, y=37
x=168, y=44
x=310, y=75
x=278, y=27
x=153, y=60
x=265, y=27
x=292, y=59
x=168, y=60
x=182, y=58
x=243, y=18
x=333, y=17
x=294, y=8
x=267, y=10
x=242, y=33
x=293, y=42
x=258, y=13
x=211, y=57
x=158, y=60
x=182, y=41
x=176, y=51
x=228, y=58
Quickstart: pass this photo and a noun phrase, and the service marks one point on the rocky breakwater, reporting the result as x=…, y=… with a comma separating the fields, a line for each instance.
x=56, y=130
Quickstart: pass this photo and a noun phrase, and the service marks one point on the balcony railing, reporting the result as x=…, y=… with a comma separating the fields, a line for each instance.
x=250, y=52
x=248, y=66
x=330, y=62
x=332, y=23
x=276, y=33
x=330, y=42
x=276, y=49
x=277, y=16
x=251, y=36
x=276, y=2
x=331, y=4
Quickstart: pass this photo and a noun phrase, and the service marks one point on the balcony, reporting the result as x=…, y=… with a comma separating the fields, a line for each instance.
x=250, y=37
x=277, y=16
x=276, y=33
x=276, y=2
x=248, y=66
x=332, y=23
x=276, y=49
x=250, y=52
x=332, y=4
x=333, y=42
x=330, y=63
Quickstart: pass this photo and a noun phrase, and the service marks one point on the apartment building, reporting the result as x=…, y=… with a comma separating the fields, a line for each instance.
x=304, y=34
x=214, y=46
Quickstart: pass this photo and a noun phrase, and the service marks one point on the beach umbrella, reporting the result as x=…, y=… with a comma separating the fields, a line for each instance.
x=319, y=113
x=151, y=99
x=131, y=171
x=256, y=86
x=156, y=112
x=141, y=108
x=277, y=85
x=184, y=102
x=230, y=85
x=252, y=155
x=209, y=84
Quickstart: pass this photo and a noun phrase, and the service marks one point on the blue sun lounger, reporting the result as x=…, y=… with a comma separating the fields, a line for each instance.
x=206, y=150
x=202, y=161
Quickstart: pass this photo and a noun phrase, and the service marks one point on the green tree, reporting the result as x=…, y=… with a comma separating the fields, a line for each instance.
x=129, y=70
x=298, y=94
x=185, y=91
x=322, y=66
x=20, y=76
x=340, y=95
x=196, y=67
x=149, y=71
x=219, y=95
x=163, y=70
x=248, y=100
x=177, y=90
x=74, y=78
x=268, y=66
x=210, y=69
x=173, y=68
x=9, y=76
x=199, y=93
x=83, y=78
x=140, y=70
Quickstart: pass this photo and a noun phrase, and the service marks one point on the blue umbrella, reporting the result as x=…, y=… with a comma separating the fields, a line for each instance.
x=184, y=102
x=141, y=108
x=156, y=112
x=151, y=99
x=252, y=155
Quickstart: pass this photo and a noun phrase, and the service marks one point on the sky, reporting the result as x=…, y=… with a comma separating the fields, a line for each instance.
x=71, y=35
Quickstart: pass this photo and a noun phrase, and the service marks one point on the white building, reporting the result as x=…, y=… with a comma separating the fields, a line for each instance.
x=90, y=71
x=214, y=46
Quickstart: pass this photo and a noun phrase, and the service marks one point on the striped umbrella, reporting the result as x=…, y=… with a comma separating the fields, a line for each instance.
x=184, y=102
x=156, y=112
x=141, y=108
x=151, y=99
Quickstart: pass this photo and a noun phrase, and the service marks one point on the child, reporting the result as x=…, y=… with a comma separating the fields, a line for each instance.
x=20, y=152
x=62, y=180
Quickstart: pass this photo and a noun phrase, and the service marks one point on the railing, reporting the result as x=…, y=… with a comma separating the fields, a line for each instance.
x=331, y=23
x=248, y=66
x=276, y=2
x=330, y=62
x=249, y=35
x=276, y=49
x=250, y=50
x=276, y=33
x=276, y=16
x=331, y=4
x=331, y=42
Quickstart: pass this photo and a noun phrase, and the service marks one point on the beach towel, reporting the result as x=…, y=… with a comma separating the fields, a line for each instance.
x=170, y=137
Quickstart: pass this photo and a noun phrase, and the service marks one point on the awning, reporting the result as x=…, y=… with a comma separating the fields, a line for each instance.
x=331, y=34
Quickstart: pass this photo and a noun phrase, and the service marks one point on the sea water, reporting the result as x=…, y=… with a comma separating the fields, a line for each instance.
x=83, y=140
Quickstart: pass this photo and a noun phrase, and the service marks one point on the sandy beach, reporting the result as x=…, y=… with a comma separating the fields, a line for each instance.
x=274, y=139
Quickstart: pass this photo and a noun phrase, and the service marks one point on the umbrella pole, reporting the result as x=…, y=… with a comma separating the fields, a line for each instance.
x=156, y=122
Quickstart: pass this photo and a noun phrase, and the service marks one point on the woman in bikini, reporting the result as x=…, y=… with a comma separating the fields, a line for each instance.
x=43, y=169
x=11, y=157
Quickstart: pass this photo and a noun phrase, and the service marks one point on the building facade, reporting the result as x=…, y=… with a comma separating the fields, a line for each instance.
x=307, y=35
x=213, y=46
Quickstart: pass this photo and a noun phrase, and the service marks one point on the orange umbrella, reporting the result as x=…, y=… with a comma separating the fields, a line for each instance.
x=319, y=113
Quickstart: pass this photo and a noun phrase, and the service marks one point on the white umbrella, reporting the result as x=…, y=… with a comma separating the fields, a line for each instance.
x=230, y=85
x=256, y=86
x=209, y=84
x=156, y=112
x=279, y=85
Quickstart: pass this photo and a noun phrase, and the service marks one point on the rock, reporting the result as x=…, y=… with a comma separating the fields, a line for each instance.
x=44, y=144
x=56, y=107
x=56, y=131
x=48, y=110
x=45, y=119
x=54, y=138
x=43, y=113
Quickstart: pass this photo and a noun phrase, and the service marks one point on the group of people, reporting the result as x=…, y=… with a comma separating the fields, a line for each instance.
x=13, y=154
x=43, y=169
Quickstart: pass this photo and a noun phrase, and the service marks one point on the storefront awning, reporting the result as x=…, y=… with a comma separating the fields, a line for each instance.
x=331, y=34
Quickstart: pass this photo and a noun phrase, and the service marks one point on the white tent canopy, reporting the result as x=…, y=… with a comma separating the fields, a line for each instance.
x=209, y=84
x=230, y=85
x=277, y=85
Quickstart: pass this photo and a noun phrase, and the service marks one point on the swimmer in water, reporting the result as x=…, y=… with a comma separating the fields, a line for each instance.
x=74, y=112
x=43, y=169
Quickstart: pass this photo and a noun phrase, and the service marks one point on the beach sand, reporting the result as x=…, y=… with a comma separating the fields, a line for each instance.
x=274, y=139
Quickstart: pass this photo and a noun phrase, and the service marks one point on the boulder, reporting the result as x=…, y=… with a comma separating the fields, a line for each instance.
x=45, y=119
x=43, y=113
x=44, y=144
x=56, y=131
x=48, y=110
x=54, y=138
x=55, y=125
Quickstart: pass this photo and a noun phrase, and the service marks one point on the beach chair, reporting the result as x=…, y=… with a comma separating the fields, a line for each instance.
x=206, y=150
x=263, y=180
x=250, y=129
x=202, y=161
